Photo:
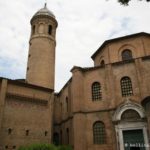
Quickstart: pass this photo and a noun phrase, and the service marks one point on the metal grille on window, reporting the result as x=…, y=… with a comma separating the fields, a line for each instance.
x=96, y=91
x=126, y=86
x=99, y=133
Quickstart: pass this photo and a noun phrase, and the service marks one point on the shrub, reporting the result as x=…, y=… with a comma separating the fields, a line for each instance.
x=64, y=147
x=38, y=147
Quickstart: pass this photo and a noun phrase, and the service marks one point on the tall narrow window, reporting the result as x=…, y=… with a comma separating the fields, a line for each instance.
x=45, y=133
x=61, y=136
x=49, y=29
x=67, y=104
x=96, y=91
x=126, y=86
x=126, y=54
x=99, y=134
x=61, y=107
x=67, y=134
x=33, y=29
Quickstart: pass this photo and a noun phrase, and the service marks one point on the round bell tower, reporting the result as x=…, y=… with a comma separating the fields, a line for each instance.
x=41, y=57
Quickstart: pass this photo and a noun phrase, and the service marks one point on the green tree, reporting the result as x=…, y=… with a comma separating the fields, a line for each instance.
x=126, y=2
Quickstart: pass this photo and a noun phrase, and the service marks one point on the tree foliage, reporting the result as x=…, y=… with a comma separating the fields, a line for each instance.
x=126, y=2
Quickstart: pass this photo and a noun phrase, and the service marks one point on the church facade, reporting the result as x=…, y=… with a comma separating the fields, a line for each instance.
x=104, y=107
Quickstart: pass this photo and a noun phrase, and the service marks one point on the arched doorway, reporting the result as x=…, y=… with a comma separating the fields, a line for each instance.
x=131, y=127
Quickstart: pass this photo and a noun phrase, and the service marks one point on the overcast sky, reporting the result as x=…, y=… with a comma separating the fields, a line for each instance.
x=83, y=26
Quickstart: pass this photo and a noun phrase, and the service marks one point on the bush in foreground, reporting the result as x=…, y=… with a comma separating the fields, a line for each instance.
x=63, y=147
x=44, y=147
x=38, y=147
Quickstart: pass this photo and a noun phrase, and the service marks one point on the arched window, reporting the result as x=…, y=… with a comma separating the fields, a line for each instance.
x=126, y=54
x=146, y=105
x=99, y=133
x=96, y=91
x=102, y=63
x=126, y=86
x=49, y=29
x=33, y=29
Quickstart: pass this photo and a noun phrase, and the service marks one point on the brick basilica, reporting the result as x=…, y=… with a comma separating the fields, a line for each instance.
x=103, y=107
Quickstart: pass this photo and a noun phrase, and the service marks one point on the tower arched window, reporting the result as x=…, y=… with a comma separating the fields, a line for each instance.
x=96, y=91
x=33, y=29
x=50, y=29
x=126, y=86
x=99, y=133
x=126, y=54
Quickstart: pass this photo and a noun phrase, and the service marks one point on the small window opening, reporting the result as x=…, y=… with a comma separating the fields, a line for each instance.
x=9, y=131
x=27, y=132
x=46, y=133
x=49, y=29
x=6, y=147
x=14, y=147
x=102, y=63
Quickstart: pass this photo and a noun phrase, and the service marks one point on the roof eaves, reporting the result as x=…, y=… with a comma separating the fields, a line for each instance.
x=116, y=39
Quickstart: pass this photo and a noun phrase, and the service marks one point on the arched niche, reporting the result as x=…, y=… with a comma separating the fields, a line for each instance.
x=41, y=28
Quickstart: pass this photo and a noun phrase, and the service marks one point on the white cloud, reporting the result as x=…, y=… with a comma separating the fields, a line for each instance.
x=83, y=26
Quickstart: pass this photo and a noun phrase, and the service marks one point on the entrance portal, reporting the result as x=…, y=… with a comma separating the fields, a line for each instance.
x=133, y=139
x=134, y=148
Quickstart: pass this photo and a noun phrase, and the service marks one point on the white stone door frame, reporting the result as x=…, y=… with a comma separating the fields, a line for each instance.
x=129, y=125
